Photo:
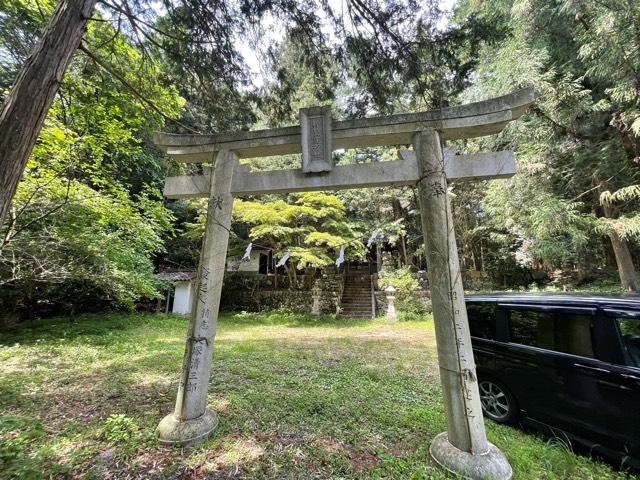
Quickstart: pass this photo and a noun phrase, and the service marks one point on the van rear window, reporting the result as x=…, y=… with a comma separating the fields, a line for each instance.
x=482, y=320
x=629, y=329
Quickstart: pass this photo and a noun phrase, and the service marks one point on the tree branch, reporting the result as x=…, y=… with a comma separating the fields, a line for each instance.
x=563, y=128
x=131, y=88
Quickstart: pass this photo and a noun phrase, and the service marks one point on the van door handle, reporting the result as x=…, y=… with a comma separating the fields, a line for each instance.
x=594, y=369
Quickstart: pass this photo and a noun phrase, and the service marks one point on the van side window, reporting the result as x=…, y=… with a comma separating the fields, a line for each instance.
x=560, y=332
x=482, y=320
x=528, y=327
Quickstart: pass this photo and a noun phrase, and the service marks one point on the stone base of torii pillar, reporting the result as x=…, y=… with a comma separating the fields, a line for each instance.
x=463, y=449
x=491, y=465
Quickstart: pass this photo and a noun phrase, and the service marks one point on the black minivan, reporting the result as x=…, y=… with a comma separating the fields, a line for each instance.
x=566, y=364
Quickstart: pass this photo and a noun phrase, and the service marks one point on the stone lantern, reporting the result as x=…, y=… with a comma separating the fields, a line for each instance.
x=391, y=308
x=316, y=291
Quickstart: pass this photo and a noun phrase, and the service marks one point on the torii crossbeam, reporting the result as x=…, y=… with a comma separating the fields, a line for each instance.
x=464, y=448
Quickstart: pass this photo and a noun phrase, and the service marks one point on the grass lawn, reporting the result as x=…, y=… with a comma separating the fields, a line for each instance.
x=296, y=398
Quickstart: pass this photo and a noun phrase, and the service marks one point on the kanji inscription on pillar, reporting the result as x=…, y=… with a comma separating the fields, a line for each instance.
x=315, y=125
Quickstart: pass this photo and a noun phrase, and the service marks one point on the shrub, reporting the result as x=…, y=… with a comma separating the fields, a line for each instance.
x=119, y=428
x=407, y=288
x=401, y=279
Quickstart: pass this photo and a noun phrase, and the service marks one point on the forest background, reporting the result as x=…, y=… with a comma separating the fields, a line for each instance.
x=88, y=226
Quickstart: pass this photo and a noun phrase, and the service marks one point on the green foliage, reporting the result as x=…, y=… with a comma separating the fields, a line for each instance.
x=102, y=241
x=119, y=428
x=624, y=194
x=302, y=81
x=578, y=141
x=626, y=226
x=89, y=224
x=88, y=216
x=408, y=305
x=401, y=279
x=19, y=20
x=390, y=212
x=312, y=226
x=545, y=226
x=17, y=437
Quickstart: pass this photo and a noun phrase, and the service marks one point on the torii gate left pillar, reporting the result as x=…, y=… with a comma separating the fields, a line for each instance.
x=463, y=449
x=190, y=421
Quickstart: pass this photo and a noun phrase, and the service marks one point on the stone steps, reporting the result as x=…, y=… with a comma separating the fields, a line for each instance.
x=356, y=296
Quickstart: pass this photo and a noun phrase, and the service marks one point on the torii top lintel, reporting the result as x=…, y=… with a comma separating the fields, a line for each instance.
x=464, y=121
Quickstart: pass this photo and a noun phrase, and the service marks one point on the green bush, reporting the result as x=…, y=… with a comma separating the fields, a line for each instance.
x=401, y=279
x=119, y=428
x=407, y=300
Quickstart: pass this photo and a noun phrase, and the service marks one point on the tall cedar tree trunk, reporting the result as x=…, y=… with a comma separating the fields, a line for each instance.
x=626, y=269
x=398, y=212
x=28, y=103
x=624, y=261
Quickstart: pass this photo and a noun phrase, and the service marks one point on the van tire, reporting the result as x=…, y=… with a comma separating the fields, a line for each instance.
x=498, y=403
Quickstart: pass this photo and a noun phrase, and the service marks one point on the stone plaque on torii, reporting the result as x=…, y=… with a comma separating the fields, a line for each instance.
x=464, y=448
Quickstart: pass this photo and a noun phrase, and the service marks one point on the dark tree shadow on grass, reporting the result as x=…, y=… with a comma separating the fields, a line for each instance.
x=94, y=328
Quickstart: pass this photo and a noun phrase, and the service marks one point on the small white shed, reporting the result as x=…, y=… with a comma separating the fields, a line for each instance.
x=184, y=286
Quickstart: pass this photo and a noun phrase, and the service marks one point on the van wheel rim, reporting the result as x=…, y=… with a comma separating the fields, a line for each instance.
x=494, y=401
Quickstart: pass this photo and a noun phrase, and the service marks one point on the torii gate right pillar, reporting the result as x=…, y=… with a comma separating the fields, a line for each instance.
x=463, y=449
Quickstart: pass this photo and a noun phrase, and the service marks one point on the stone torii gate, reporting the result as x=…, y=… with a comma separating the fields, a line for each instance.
x=464, y=448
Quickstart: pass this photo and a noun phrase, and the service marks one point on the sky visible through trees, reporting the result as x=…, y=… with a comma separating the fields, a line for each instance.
x=251, y=45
